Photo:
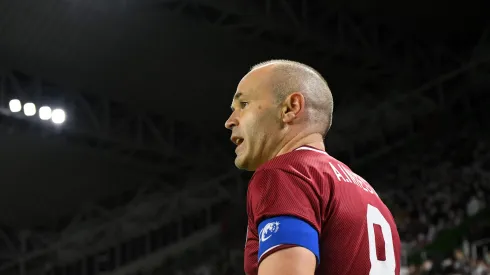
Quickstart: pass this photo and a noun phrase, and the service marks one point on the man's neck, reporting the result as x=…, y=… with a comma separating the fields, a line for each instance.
x=312, y=140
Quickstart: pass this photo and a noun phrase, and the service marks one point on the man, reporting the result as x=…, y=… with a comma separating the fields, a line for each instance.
x=308, y=213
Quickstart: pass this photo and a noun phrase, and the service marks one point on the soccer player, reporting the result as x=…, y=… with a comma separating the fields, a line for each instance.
x=308, y=213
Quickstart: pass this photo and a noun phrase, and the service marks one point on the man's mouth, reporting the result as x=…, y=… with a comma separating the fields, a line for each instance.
x=237, y=140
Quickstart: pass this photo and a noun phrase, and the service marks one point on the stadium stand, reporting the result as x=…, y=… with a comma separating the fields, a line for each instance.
x=439, y=208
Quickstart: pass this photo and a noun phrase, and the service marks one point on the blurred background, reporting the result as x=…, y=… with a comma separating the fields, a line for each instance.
x=114, y=158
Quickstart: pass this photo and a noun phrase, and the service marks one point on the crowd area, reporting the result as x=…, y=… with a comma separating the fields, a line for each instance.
x=437, y=188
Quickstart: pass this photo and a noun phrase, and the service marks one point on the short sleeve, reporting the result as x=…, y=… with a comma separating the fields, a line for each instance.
x=275, y=192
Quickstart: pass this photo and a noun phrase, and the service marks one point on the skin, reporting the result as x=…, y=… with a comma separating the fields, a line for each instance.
x=290, y=261
x=268, y=130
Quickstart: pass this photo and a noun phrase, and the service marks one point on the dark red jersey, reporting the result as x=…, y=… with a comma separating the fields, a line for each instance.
x=308, y=198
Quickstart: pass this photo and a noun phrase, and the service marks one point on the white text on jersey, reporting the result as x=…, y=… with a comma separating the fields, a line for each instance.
x=344, y=174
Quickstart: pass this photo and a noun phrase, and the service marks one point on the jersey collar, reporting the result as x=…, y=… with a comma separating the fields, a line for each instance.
x=310, y=148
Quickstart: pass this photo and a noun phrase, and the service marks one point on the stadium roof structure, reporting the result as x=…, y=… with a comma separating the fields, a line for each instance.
x=147, y=85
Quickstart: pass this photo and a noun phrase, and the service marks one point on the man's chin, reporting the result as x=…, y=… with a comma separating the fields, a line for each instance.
x=242, y=163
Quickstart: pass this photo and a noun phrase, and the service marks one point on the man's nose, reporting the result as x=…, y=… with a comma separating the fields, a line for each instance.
x=231, y=122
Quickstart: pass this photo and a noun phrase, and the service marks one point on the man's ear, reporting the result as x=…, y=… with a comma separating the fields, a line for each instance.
x=293, y=106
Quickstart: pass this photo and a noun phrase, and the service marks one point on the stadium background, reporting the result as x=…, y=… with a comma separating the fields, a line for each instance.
x=139, y=179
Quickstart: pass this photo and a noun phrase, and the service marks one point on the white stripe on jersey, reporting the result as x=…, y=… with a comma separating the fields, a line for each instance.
x=312, y=149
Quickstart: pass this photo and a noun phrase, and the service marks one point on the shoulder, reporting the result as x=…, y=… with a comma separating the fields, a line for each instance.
x=288, y=185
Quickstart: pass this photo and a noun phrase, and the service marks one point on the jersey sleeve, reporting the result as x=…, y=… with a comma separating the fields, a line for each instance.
x=285, y=209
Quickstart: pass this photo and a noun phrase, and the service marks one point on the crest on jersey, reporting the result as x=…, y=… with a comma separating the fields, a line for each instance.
x=268, y=230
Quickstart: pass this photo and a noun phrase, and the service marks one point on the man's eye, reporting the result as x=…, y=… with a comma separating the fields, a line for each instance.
x=243, y=104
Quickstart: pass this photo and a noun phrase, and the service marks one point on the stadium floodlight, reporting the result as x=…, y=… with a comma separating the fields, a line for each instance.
x=15, y=106
x=45, y=113
x=58, y=116
x=29, y=109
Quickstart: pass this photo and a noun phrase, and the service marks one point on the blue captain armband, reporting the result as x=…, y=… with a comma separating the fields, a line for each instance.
x=287, y=230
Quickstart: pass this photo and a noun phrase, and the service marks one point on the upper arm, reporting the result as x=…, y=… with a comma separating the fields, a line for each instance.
x=290, y=261
x=286, y=212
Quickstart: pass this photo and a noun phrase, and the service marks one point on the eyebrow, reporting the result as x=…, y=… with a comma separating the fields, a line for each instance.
x=236, y=97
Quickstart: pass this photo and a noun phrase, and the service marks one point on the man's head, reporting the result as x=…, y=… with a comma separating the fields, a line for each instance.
x=276, y=103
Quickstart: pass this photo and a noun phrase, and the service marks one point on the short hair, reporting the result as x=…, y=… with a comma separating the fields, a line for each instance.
x=291, y=76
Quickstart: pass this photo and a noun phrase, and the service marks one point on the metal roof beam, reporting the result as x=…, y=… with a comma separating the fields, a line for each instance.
x=365, y=51
x=404, y=103
x=254, y=20
x=339, y=37
x=154, y=143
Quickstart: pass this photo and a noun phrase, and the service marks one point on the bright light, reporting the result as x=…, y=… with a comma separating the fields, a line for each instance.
x=15, y=105
x=29, y=109
x=45, y=113
x=58, y=116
